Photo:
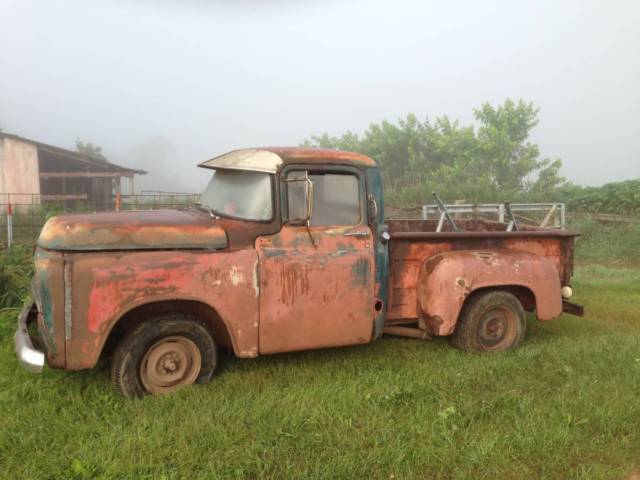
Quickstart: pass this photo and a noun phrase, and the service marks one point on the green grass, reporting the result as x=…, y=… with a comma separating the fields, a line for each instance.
x=564, y=405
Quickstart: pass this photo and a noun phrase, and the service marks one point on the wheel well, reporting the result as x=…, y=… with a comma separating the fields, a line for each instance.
x=199, y=310
x=524, y=294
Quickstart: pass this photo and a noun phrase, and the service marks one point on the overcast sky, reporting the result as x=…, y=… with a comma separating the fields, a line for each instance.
x=163, y=85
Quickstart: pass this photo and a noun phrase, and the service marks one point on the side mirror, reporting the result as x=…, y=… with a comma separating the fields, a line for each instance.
x=372, y=207
x=299, y=198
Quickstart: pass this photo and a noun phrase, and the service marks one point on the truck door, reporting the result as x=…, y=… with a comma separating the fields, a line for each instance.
x=317, y=281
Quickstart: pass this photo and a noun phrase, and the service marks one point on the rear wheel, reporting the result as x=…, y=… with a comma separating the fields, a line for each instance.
x=162, y=355
x=490, y=322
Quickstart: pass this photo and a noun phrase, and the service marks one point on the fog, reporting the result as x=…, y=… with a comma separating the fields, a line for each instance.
x=164, y=85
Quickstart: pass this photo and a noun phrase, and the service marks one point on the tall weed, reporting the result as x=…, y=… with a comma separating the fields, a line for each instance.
x=16, y=269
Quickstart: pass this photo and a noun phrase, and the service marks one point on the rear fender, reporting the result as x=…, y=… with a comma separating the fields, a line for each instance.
x=446, y=280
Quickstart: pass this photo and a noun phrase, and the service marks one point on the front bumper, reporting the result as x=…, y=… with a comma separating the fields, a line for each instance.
x=28, y=356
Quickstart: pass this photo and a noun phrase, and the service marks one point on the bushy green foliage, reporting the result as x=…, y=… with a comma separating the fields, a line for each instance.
x=16, y=268
x=90, y=149
x=618, y=197
x=491, y=161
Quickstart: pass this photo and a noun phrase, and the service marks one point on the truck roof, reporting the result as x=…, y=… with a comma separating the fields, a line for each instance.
x=270, y=159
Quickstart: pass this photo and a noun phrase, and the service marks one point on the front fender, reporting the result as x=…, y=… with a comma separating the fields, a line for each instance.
x=105, y=286
x=447, y=279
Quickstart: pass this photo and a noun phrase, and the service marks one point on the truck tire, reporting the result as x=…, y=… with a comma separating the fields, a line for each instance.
x=163, y=354
x=490, y=322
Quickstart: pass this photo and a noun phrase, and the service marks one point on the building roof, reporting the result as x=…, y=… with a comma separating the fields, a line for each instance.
x=270, y=159
x=86, y=160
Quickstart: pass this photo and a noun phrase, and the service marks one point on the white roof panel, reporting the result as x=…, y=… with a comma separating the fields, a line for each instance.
x=247, y=159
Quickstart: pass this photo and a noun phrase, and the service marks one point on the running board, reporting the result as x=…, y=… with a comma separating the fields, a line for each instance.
x=407, y=332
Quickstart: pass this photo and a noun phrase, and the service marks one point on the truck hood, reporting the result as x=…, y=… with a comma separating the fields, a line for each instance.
x=133, y=230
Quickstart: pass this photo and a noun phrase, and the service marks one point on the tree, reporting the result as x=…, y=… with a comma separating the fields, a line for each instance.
x=88, y=148
x=475, y=162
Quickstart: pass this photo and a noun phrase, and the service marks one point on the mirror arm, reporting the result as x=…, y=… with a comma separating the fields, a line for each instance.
x=310, y=208
x=313, y=242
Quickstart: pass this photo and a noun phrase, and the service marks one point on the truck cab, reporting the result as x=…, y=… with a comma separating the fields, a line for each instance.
x=287, y=250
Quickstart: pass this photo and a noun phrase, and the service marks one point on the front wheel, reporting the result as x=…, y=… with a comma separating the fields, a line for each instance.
x=490, y=322
x=162, y=355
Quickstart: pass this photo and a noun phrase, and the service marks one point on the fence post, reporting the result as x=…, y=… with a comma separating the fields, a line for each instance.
x=425, y=212
x=9, y=223
x=117, y=201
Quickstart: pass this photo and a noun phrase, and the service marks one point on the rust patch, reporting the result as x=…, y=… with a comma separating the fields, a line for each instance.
x=315, y=297
x=115, y=283
x=415, y=246
x=443, y=291
x=133, y=230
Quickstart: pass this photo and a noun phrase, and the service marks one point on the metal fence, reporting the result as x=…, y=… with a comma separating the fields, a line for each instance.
x=546, y=215
x=23, y=215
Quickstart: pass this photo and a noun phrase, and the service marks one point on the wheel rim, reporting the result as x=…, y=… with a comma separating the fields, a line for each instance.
x=169, y=364
x=498, y=328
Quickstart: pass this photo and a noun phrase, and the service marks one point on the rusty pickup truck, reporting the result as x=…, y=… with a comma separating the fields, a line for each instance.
x=287, y=250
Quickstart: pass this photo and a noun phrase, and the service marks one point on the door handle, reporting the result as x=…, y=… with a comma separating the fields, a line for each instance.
x=357, y=233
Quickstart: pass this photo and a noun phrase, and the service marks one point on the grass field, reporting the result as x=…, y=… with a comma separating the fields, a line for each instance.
x=564, y=405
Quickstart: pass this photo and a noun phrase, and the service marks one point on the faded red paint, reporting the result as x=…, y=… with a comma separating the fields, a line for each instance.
x=414, y=242
x=315, y=296
x=275, y=288
x=319, y=155
x=142, y=230
x=283, y=293
x=447, y=279
x=108, y=285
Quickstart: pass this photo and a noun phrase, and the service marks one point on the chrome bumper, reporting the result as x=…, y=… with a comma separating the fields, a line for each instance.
x=30, y=358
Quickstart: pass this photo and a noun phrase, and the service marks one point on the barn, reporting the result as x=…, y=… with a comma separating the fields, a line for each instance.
x=34, y=172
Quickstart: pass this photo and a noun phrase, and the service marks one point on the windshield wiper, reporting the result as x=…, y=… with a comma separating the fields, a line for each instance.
x=204, y=208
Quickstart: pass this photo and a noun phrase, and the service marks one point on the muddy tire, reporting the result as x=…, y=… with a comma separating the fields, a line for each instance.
x=490, y=322
x=163, y=354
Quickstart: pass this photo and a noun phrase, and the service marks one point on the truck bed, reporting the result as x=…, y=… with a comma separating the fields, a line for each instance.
x=414, y=241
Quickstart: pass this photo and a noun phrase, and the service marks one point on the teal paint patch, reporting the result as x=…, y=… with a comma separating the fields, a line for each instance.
x=274, y=253
x=45, y=296
x=346, y=247
x=360, y=272
x=41, y=292
x=381, y=250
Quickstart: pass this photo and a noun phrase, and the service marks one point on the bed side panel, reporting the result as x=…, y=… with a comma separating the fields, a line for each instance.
x=407, y=257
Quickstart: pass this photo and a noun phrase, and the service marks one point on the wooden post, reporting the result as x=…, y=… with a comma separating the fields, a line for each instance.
x=116, y=185
x=64, y=192
x=9, y=222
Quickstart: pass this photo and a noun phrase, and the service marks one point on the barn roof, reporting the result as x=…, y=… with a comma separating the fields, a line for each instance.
x=85, y=162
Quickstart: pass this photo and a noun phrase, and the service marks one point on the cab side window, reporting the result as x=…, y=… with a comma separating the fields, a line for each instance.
x=336, y=198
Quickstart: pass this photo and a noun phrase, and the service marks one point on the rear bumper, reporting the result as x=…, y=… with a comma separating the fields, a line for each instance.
x=28, y=356
x=572, y=308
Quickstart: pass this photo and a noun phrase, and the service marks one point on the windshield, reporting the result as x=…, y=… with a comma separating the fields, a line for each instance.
x=239, y=194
